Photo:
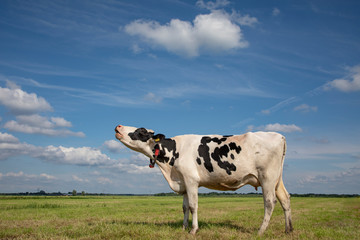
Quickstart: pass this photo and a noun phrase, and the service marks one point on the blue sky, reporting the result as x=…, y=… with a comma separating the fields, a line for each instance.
x=71, y=71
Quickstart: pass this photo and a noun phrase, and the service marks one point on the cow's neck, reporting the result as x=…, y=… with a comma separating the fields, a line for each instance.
x=168, y=155
x=168, y=151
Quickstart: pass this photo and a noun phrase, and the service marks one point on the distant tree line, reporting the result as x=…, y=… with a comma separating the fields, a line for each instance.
x=210, y=194
x=252, y=194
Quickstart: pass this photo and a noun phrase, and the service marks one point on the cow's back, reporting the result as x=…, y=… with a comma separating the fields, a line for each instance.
x=229, y=162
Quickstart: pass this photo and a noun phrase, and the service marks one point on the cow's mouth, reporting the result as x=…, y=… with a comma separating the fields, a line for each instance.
x=118, y=135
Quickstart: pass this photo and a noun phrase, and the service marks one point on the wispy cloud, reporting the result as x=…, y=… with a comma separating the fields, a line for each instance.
x=280, y=105
x=276, y=127
x=212, y=5
x=304, y=108
x=27, y=177
x=275, y=11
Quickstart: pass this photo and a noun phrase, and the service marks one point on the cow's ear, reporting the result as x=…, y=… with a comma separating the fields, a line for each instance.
x=158, y=137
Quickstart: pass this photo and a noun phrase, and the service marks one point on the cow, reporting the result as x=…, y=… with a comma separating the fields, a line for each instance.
x=216, y=162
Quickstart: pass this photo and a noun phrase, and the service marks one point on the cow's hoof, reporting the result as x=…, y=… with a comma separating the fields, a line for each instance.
x=193, y=231
x=289, y=230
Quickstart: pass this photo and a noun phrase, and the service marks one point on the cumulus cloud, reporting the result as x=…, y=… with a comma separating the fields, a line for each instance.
x=304, y=108
x=113, y=146
x=276, y=127
x=8, y=138
x=85, y=156
x=26, y=108
x=36, y=124
x=350, y=83
x=214, y=32
x=10, y=146
x=21, y=102
x=81, y=156
x=61, y=122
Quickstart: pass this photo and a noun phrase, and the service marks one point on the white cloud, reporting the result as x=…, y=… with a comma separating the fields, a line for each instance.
x=114, y=146
x=336, y=180
x=20, y=102
x=36, y=124
x=305, y=108
x=133, y=168
x=212, y=5
x=25, y=176
x=78, y=179
x=136, y=49
x=350, y=83
x=275, y=11
x=214, y=32
x=9, y=147
x=276, y=127
x=244, y=20
x=82, y=156
x=11, y=84
x=8, y=138
x=86, y=156
x=103, y=180
x=151, y=97
x=61, y=122
x=25, y=106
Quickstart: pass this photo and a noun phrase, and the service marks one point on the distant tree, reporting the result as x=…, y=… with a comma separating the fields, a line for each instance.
x=83, y=193
x=74, y=192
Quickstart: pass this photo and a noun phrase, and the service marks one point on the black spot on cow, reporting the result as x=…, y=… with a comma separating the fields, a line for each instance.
x=141, y=134
x=217, y=140
x=233, y=146
x=218, y=154
x=166, y=144
x=204, y=152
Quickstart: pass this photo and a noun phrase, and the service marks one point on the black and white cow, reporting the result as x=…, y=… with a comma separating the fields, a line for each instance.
x=216, y=162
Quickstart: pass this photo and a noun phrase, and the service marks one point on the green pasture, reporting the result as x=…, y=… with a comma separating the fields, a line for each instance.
x=150, y=217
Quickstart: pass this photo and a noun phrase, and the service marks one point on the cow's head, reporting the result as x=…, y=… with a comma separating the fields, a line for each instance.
x=137, y=139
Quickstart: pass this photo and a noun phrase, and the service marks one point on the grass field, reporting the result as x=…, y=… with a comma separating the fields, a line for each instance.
x=137, y=217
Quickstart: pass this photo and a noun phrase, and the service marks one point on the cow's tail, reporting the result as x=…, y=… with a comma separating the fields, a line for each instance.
x=282, y=162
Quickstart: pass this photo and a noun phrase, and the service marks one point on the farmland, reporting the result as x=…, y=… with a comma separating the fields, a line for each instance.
x=160, y=217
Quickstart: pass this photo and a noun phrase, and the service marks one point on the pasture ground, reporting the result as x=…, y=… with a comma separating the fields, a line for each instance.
x=150, y=217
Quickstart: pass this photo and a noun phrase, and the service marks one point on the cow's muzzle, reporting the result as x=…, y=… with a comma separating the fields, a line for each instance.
x=118, y=135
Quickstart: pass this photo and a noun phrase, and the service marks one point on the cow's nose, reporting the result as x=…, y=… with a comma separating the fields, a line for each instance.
x=117, y=127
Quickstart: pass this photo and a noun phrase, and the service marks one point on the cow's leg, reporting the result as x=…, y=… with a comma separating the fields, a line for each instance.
x=186, y=211
x=269, y=204
x=192, y=192
x=284, y=198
